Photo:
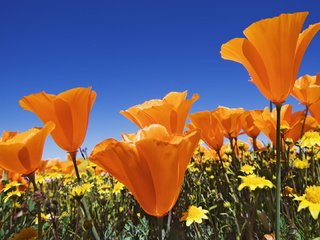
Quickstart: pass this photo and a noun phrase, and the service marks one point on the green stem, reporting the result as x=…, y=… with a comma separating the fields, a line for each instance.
x=254, y=143
x=88, y=216
x=38, y=204
x=197, y=230
x=304, y=120
x=4, y=177
x=84, y=204
x=160, y=221
x=74, y=160
x=278, y=173
x=313, y=167
x=168, y=223
x=270, y=106
x=77, y=222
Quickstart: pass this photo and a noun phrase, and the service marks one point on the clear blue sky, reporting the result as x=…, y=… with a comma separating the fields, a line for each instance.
x=130, y=52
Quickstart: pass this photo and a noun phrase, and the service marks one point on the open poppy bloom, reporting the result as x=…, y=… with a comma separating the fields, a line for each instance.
x=247, y=123
x=315, y=111
x=230, y=120
x=272, y=52
x=212, y=133
x=307, y=89
x=151, y=163
x=291, y=123
x=171, y=112
x=22, y=153
x=6, y=135
x=68, y=110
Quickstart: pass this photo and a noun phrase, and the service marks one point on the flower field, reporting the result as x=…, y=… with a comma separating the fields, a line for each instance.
x=182, y=175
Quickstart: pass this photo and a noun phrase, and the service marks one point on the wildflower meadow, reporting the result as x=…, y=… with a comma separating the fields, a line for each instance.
x=182, y=175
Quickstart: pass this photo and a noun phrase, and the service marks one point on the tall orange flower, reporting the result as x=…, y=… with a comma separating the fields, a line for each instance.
x=22, y=153
x=247, y=123
x=69, y=111
x=291, y=123
x=212, y=133
x=6, y=135
x=272, y=52
x=171, y=112
x=315, y=111
x=10, y=177
x=230, y=120
x=151, y=163
x=307, y=89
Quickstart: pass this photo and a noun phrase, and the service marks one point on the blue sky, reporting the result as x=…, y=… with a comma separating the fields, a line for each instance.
x=130, y=52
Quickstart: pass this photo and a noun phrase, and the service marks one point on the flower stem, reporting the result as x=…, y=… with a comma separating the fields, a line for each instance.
x=74, y=160
x=4, y=177
x=270, y=106
x=304, y=121
x=278, y=173
x=160, y=222
x=38, y=204
x=83, y=201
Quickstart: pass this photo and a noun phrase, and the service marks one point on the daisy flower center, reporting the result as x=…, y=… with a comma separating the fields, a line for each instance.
x=313, y=194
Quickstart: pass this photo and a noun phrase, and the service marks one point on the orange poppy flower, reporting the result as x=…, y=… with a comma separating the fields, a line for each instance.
x=307, y=89
x=315, y=111
x=212, y=132
x=171, y=112
x=291, y=123
x=12, y=176
x=256, y=144
x=297, y=121
x=7, y=135
x=222, y=152
x=22, y=153
x=272, y=52
x=69, y=111
x=247, y=123
x=151, y=163
x=230, y=120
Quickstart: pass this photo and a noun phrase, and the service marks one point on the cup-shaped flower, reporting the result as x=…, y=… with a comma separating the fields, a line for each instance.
x=22, y=153
x=272, y=52
x=212, y=132
x=307, y=89
x=69, y=111
x=291, y=123
x=247, y=123
x=151, y=163
x=171, y=112
x=230, y=120
x=6, y=135
x=315, y=111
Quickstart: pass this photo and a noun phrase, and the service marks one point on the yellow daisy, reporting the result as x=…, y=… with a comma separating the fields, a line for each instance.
x=44, y=217
x=300, y=164
x=253, y=181
x=310, y=199
x=12, y=194
x=247, y=169
x=194, y=214
x=310, y=139
x=13, y=184
x=117, y=188
x=79, y=191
